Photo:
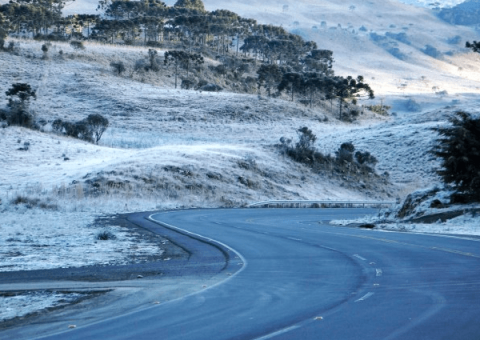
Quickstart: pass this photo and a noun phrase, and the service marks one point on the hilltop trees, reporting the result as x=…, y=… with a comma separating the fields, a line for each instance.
x=284, y=62
x=345, y=161
x=190, y=4
x=269, y=76
x=182, y=59
x=458, y=148
x=475, y=46
x=3, y=30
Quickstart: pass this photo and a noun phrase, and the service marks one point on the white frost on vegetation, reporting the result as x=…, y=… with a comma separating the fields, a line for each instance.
x=38, y=239
x=27, y=303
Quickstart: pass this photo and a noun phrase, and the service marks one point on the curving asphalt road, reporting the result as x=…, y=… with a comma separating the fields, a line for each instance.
x=292, y=276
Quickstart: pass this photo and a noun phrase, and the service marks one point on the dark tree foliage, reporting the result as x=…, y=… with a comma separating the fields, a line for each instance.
x=304, y=150
x=152, y=58
x=306, y=140
x=365, y=158
x=118, y=67
x=458, y=148
x=20, y=91
x=90, y=129
x=475, y=46
x=291, y=81
x=182, y=59
x=97, y=124
x=77, y=45
x=191, y=4
x=269, y=76
x=3, y=30
x=345, y=152
x=20, y=95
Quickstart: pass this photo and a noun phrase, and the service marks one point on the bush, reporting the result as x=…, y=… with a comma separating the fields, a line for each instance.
x=187, y=84
x=345, y=152
x=90, y=129
x=45, y=48
x=106, y=235
x=77, y=45
x=458, y=148
x=118, y=67
x=380, y=109
x=366, y=159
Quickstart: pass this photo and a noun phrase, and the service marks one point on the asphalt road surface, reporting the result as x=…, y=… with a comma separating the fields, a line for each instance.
x=290, y=275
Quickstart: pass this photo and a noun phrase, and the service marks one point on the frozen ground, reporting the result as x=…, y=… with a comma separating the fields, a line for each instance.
x=26, y=303
x=35, y=238
x=169, y=148
x=468, y=224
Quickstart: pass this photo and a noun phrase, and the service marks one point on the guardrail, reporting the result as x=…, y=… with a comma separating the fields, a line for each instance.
x=321, y=203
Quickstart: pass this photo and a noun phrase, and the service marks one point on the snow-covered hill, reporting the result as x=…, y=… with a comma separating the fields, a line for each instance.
x=169, y=148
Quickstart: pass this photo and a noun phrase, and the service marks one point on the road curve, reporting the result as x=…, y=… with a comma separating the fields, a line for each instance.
x=304, y=279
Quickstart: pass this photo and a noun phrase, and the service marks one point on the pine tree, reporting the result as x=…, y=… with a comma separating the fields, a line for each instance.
x=458, y=147
x=191, y=4
x=475, y=46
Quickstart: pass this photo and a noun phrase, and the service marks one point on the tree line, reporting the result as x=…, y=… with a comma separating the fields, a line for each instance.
x=283, y=62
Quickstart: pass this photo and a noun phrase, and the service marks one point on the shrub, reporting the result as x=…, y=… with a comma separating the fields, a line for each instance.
x=345, y=152
x=366, y=159
x=380, y=109
x=90, y=129
x=187, y=84
x=118, y=67
x=106, y=235
x=77, y=45
x=458, y=148
x=152, y=58
x=45, y=48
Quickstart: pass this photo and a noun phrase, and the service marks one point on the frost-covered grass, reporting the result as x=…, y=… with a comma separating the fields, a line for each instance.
x=25, y=303
x=32, y=238
x=422, y=204
x=168, y=148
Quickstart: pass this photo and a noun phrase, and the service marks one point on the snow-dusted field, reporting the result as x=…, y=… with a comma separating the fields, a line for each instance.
x=25, y=303
x=168, y=148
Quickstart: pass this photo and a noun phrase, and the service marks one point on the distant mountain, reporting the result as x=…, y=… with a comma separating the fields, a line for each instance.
x=466, y=13
x=433, y=3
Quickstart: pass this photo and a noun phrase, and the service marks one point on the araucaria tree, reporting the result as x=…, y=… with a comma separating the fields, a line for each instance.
x=19, y=96
x=191, y=4
x=458, y=148
x=3, y=30
x=182, y=59
x=475, y=46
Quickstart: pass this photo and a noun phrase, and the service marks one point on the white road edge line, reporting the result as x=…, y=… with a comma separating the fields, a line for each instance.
x=173, y=300
x=359, y=257
x=366, y=296
x=379, y=272
x=274, y=334
x=211, y=240
x=293, y=238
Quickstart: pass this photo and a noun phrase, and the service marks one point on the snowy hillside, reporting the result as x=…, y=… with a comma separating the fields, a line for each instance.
x=169, y=148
